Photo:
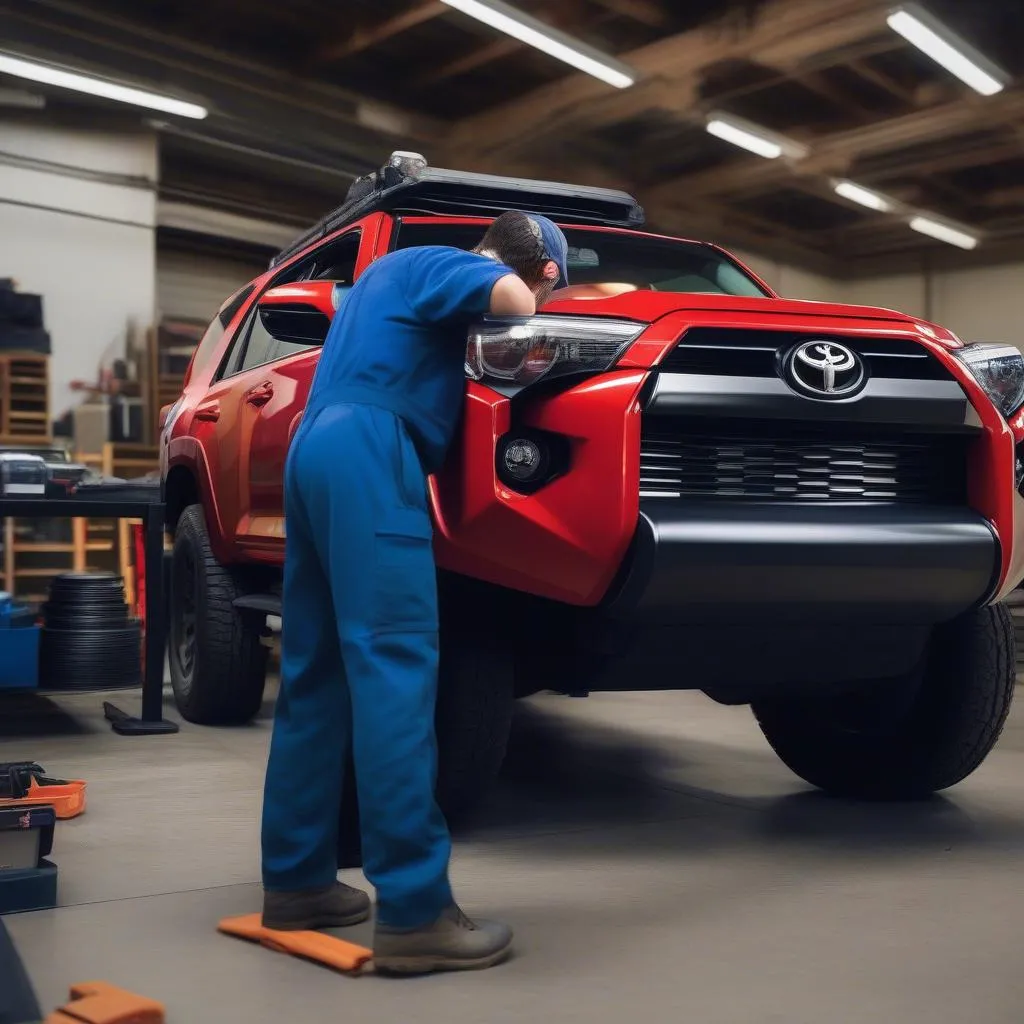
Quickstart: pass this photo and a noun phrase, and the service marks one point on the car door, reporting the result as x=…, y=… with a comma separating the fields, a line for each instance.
x=289, y=326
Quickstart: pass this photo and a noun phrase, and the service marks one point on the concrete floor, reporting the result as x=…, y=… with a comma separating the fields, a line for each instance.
x=654, y=858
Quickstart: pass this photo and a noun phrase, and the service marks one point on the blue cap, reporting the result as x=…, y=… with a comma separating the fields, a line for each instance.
x=556, y=248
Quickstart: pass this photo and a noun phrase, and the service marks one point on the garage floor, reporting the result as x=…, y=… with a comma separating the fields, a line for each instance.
x=652, y=855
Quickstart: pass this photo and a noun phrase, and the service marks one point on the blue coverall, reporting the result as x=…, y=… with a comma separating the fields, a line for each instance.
x=359, y=646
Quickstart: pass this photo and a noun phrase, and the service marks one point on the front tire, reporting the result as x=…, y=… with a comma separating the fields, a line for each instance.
x=218, y=662
x=877, y=746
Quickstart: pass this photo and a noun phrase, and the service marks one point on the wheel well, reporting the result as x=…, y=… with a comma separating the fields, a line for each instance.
x=181, y=489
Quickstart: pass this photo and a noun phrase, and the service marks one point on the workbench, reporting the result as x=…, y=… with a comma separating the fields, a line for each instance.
x=120, y=502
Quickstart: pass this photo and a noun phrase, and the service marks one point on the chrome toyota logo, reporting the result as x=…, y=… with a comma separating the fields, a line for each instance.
x=825, y=369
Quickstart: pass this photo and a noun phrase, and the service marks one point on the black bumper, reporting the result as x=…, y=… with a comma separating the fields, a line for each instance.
x=709, y=562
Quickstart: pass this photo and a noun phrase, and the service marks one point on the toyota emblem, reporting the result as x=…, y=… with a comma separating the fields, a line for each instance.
x=825, y=369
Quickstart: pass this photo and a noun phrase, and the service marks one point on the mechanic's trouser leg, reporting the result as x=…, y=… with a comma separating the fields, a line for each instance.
x=357, y=498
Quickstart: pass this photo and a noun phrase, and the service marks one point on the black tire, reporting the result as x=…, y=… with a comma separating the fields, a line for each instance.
x=218, y=664
x=879, y=745
x=475, y=702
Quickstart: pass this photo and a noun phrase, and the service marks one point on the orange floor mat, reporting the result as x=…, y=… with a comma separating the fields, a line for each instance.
x=97, y=1002
x=316, y=946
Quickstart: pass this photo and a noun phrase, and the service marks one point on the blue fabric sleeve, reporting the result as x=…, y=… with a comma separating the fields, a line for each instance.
x=444, y=285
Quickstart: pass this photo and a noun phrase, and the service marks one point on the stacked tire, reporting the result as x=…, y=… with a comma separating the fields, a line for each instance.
x=88, y=641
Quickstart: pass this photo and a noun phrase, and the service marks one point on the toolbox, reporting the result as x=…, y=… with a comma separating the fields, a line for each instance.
x=27, y=880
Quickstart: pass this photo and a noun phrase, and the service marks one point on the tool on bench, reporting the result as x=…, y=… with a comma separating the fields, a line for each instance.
x=347, y=957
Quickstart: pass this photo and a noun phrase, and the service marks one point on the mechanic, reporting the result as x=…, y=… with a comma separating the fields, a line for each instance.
x=359, y=647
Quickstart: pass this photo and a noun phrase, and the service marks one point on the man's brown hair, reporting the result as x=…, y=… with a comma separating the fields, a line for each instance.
x=515, y=240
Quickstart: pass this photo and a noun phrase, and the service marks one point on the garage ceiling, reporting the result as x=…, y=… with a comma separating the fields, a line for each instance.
x=306, y=94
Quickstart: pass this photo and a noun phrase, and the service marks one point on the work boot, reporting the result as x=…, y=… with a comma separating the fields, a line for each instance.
x=452, y=943
x=333, y=906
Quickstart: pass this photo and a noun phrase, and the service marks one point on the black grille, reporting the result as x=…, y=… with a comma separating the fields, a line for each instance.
x=770, y=462
x=736, y=352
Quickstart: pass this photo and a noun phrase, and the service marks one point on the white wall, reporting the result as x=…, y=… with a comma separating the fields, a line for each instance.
x=77, y=225
x=979, y=304
x=792, y=282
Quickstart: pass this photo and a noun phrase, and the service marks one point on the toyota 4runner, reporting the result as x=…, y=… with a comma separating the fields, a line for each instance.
x=805, y=507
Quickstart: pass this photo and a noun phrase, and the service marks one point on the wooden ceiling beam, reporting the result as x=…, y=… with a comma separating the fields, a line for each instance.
x=367, y=36
x=787, y=33
x=647, y=12
x=484, y=55
x=836, y=153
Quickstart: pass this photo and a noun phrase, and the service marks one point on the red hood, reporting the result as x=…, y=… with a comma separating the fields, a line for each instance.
x=651, y=306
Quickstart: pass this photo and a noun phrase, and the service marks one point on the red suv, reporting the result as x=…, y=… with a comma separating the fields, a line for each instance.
x=693, y=484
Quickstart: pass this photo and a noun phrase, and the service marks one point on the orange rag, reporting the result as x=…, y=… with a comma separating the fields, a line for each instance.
x=322, y=949
x=98, y=1002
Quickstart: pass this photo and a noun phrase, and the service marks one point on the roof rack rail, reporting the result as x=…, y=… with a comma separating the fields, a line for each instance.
x=407, y=184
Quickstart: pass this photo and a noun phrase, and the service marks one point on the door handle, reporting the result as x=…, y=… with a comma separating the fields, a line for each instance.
x=260, y=395
x=209, y=413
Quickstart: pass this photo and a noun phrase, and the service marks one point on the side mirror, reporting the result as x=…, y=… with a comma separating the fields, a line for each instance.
x=300, y=313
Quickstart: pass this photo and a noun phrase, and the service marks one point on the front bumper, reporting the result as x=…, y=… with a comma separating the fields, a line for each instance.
x=709, y=562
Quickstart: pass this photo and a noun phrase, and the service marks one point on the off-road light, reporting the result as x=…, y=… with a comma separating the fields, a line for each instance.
x=999, y=369
x=523, y=459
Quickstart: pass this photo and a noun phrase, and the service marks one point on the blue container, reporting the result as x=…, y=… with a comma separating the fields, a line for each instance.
x=19, y=658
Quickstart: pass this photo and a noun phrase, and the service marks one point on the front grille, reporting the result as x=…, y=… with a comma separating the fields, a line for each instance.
x=770, y=462
x=737, y=352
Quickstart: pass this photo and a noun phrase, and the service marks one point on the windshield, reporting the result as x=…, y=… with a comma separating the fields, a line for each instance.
x=598, y=257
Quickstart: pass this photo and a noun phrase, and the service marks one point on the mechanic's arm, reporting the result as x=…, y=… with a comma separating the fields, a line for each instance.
x=453, y=286
x=603, y=290
x=510, y=296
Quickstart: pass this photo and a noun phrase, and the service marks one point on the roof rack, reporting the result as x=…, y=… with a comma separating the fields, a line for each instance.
x=406, y=184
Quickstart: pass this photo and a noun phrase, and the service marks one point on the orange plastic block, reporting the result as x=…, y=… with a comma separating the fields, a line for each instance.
x=322, y=949
x=97, y=1002
x=67, y=801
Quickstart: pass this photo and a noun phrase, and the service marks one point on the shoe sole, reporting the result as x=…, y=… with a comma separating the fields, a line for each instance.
x=312, y=924
x=409, y=965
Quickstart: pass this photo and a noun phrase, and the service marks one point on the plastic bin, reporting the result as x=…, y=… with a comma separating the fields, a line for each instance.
x=19, y=657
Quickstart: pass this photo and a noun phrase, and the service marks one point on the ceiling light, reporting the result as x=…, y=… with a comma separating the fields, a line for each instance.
x=513, y=22
x=752, y=137
x=744, y=139
x=947, y=49
x=48, y=75
x=864, y=196
x=944, y=233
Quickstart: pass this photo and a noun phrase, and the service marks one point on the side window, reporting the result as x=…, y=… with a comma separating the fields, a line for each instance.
x=219, y=324
x=267, y=335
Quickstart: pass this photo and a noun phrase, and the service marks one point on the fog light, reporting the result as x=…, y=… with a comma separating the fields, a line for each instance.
x=523, y=460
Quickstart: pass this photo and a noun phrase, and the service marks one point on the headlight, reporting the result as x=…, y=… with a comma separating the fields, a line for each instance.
x=999, y=369
x=515, y=353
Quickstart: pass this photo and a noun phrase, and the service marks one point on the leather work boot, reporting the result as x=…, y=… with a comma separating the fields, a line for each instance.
x=334, y=906
x=452, y=943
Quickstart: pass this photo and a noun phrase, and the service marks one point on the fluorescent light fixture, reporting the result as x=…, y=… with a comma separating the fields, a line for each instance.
x=752, y=137
x=943, y=232
x=931, y=37
x=744, y=139
x=527, y=29
x=864, y=196
x=48, y=75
